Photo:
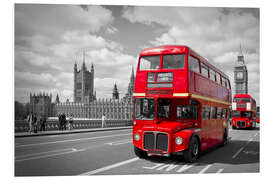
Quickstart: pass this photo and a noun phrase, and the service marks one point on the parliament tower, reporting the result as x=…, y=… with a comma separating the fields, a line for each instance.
x=83, y=83
x=241, y=75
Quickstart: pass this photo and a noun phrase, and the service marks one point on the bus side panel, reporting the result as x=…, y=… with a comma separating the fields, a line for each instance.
x=191, y=81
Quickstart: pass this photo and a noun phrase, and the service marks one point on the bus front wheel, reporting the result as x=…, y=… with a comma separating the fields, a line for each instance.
x=192, y=153
x=140, y=153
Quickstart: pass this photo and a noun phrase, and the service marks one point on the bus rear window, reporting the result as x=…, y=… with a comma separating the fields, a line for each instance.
x=149, y=62
x=174, y=61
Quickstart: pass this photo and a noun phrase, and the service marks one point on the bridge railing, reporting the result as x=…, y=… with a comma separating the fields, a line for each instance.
x=23, y=125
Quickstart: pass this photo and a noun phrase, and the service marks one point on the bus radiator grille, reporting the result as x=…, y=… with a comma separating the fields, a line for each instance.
x=149, y=140
x=241, y=123
x=155, y=141
x=162, y=142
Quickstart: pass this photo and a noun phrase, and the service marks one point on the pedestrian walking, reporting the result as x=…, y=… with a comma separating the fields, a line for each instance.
x=64, y=122
x=60, y=117
x=103, y=124
x=70, y=122
x=35, y=123
x=43, y=120
x=30, y=122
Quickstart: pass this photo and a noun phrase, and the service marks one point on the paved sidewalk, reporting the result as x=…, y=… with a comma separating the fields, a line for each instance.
x=26, y=134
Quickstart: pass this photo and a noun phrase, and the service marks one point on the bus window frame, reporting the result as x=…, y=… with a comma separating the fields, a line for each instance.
x=218, y=80
x=206, y=67
x=213, y=107
x=185, y=61
x=210, y=69
x=192, y=106
x=199, y=64
x=140, y=60
x=209, y=112
x=155, y=115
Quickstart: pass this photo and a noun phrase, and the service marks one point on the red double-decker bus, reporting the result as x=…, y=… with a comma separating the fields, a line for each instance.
x=181, y=103
x=243, y=111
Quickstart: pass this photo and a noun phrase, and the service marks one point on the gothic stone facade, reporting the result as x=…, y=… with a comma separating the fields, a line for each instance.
x=41, y=104
x=113, y=109
x=83, y=84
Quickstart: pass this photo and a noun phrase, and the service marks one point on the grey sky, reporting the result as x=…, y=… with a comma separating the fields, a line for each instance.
x=50, y=38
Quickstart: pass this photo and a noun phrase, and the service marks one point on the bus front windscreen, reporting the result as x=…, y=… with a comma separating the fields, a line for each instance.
x=246, y=114
x=236, y=114
x=149, y=62
x=145, y=109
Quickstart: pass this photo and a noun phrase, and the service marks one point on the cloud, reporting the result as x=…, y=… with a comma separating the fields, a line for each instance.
x=215, y=33
x=31, y=19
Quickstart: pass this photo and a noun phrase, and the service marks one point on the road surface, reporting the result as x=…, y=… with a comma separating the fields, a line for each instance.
x=111, y=153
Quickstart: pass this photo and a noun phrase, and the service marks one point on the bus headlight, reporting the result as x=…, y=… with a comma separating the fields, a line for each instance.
x=178, y=140
x=233, y=106
x=248, y=106
x=137, y=137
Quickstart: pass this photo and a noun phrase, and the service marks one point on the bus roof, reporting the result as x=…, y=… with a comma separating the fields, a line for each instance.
x=242, y=96
x=174, y=49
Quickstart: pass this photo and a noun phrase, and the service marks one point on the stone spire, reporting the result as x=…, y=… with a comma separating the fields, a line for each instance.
x=115, y=94
x=240, y=57
x=57, y=99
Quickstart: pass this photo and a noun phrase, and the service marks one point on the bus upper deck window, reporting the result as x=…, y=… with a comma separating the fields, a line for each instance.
x=174, y=61
x=245, y=100
x=150, y=62
x=237, y=100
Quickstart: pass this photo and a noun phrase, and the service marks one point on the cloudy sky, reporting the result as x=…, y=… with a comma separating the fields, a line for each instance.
x=49, y=39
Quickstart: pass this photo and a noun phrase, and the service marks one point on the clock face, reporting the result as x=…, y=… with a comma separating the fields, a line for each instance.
x=240, y=75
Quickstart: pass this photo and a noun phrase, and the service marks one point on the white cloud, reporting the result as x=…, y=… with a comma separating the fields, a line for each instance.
x=215, y=33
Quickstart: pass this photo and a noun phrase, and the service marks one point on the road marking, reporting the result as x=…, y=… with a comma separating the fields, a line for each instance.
x=168, y=166
x=119, y=142
x=237, y=152
x=109, y=167
x=49, y=155
x=153, y=167
x=220, y=170
x=45, y=152
x=251, y=152
x=205, y=169
x=185, y=167
x=71, y=140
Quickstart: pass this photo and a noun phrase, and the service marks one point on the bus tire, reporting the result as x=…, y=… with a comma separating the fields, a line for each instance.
x=192, y=153
x=233, y=127
x=140, y=153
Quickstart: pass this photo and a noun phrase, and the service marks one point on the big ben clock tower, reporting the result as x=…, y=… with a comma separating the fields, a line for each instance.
x=241, y=75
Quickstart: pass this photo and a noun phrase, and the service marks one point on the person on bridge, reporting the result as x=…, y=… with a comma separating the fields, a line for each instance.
x=70, y=122
x=35, y=123
x=30, y=120
x=103, y=120
x=42, y=123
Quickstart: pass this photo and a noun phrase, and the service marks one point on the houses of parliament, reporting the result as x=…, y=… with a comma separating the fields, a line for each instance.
x=85, y=104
